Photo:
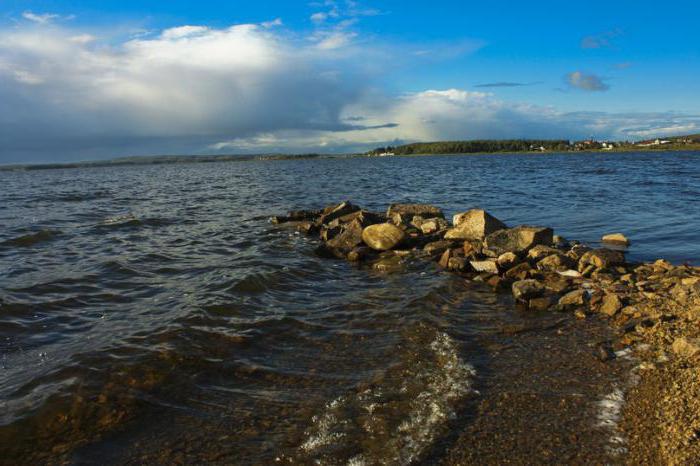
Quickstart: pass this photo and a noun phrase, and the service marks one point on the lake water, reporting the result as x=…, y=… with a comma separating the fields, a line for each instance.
x=152, y=314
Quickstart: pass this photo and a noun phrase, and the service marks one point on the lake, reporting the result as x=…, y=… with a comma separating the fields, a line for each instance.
x=152, y=314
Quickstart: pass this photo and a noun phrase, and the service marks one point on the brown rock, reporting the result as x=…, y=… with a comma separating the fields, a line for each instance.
x=541, y=251
x=519, y=272
x=408, y=211
x=474, y=224
x=389, y=264
x=519, y=239
x=610, y=305
x=616, y=239
x=332, y=212
x=524, y=290
x=458, y=264
x=497, y=282
x=437, y=247
x=540, y=304
x=485, y=266
x=349, y=237
x=686, y=347
x=601, y=258
x=382, y=236
x=432, y=225
x=364, y=217
x=556, y=262
x=444, y=261
x=507, y=260
x=576, y=298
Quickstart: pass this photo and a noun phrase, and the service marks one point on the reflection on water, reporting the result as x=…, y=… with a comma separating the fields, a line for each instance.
x=151, y=314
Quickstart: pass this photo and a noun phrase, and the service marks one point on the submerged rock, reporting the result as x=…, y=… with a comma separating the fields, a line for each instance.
x=474, y=224
x=519, y=239
x=525, y=290
x=382, y=236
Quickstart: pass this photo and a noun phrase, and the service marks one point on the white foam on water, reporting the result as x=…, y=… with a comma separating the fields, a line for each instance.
x=610, y=407
x=397, y=423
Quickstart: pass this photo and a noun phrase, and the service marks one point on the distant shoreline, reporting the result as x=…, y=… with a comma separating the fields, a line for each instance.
x=182, y=159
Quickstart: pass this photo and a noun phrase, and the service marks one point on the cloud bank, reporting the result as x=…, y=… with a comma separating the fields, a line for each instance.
x=67, y=94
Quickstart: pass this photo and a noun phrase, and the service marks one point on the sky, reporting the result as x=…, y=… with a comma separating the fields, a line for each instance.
x=87, y=80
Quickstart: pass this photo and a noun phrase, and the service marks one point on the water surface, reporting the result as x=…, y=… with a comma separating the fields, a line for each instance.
x=152, y=314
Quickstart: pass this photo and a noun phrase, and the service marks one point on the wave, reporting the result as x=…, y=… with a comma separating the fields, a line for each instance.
x=397, y=420
x=32, y=238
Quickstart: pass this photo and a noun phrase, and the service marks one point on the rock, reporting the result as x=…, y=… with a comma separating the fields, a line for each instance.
x=580, y=314
x=471, y=248
x=604, y=352
x=389, y=264
x=541, y=251
x=524, y=290
x=577, y=251
x=540, y=304
x=556, y=262
x=296, y=216
x=458, y=264
x=474, y=224
x=496, y=282
x=556, y=283
x=601, y=258
x=437, y=247
x=382, y=236
x=444, y=261
x=408, y=211
x=519, y=239
x=576, y=298
x=570, y=273
x=364, y=217
x=349, y=237
x=360, y=253
x=616, y=239
x=686, y=347
x=433, y=225
x=485, y=266
x=307, y=228
x=519, y=272
x=610, y=305
x=332, y=212
x=507, y=260
x=559, y=242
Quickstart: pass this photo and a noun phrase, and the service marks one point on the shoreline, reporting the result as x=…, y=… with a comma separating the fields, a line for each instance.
x=195, y=159
x=653, y=307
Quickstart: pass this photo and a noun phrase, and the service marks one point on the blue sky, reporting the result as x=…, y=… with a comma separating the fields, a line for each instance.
x=85, y=79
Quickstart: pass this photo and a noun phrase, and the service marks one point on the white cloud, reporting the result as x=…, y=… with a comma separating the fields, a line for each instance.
x=249, y=87
x=39, y=18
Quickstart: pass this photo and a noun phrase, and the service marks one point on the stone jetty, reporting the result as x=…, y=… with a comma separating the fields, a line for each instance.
x=655, y=307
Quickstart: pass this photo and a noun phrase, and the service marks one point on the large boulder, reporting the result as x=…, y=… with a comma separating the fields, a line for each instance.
x=474, y=224
x=519, y=239
x=601, y=259
x=382, y=236
x=406, y=212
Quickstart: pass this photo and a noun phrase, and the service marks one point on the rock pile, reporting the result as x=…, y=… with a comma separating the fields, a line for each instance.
x=654, y=305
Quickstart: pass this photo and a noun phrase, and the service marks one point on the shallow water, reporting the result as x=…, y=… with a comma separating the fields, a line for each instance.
x=152, y=314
